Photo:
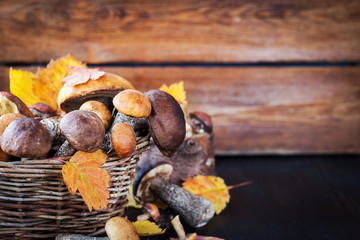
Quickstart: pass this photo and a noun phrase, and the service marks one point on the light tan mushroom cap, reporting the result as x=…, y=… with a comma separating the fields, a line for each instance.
x=108, y=85
x=132, y=103
x=120, y=228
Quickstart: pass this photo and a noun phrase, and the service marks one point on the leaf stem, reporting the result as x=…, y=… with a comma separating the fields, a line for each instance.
x=239, y=185
x=60, y=160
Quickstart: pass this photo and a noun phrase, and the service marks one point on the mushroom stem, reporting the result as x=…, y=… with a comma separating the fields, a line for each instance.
x=179, y=229
x=53, y=126
x=69, y=236
x=195, y=210
x=66, y=149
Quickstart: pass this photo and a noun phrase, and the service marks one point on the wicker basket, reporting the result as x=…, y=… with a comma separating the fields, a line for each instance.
x=35, y=202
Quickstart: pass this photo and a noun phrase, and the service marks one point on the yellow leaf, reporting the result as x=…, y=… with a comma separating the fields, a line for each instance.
x=177, y=91
x=210, y=187
x=48, y=83
x=83, y=173
x=147, y=228
x=44, y=86
x=130, y=197
x=21, y=83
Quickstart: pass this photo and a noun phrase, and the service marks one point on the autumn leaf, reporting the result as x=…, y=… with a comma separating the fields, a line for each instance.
x=83, y=173
x=44, y=86
x=177, y=91
x=80, y=75
x=146, y=228
x=130, y=197
x=21, y=84
x=212, y=188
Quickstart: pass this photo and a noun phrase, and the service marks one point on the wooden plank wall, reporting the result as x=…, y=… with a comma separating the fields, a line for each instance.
x=278, y=77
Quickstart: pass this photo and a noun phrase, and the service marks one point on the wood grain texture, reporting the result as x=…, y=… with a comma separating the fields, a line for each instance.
x=180, y=31
x=267, y=110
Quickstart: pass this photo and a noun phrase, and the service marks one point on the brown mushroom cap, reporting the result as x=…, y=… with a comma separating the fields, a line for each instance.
x=42, y=110
x=123, y=139
x=100, y=109
x=6, y=119
x=108, y=85
x=201, y=121
x=132, y=103
x=83, y=129
x=167, y=122
x=9, y=103
x=26, y=138
x=120, y=228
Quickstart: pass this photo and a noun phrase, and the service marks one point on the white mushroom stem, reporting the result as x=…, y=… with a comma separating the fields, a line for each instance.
x=66, y=149
x=178, y=228
x=53, y=126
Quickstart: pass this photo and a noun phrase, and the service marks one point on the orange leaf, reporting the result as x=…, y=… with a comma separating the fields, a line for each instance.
x=210, y=187
x=83, y=172
x=44, y=86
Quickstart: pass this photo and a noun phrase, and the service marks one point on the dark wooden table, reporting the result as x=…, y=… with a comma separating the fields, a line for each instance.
x=296, y=197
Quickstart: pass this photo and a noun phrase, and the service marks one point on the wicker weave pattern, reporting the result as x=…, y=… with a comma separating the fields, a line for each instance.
x=35, y=202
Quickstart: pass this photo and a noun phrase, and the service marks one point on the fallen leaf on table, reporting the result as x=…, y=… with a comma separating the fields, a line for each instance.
x=212, y=188
x=146, y=228
x=44, y=86
x=83, y=173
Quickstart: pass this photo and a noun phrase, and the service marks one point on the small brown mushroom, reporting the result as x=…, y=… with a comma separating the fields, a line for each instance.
x=5, y=120
x=151, y=210
x=42, y=110
x=179, y=229
x=9, y=103
x=123, y=140
x=100, y=109
x=167, y=122
x=120, y=228
x=83, y=130
x=133, y=107
x=26, y=138
x=201, y=122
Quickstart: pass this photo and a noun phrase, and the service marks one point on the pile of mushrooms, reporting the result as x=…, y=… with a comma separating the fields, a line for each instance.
x=105, y=113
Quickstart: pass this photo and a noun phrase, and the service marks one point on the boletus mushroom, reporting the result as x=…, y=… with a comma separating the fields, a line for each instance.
x=42, y=110
x=167, y=122
x=123, y=139
x=26, y=138
x=100, y=109
x=120, y=228
x=102, y=89
x=83, y=131
x=9, y=103
x=151, y=182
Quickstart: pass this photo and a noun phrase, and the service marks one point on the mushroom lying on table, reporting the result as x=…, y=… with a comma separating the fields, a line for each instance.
x=151, y=182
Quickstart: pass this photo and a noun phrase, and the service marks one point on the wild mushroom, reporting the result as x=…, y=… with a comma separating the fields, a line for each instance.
x=102, y=89
x=179, y=229
x=26, y=138
x=100, y=109
x=123, y=140
x=9, y=103
x=133, y=108
x=151, y=182
x=83, y=130
x=5, y=120
x=120, y=228
x=151, y=210
x=201, y=122
x=42, y=110
x=167, y=122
